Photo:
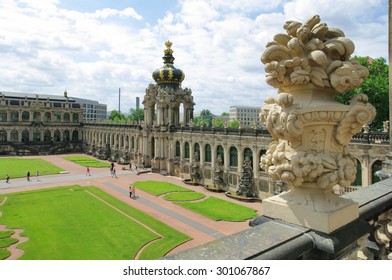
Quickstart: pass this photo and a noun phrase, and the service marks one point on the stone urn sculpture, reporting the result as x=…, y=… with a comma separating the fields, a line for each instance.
x=310, y=65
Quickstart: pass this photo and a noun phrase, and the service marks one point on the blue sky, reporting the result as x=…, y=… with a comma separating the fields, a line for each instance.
x=92, y=48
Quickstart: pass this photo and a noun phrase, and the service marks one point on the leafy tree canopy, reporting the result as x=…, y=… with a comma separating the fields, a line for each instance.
x=218, y=123
x=116, y=116
x=234, y=124
x=225, y=114
x=136, y=114
x=376, y=87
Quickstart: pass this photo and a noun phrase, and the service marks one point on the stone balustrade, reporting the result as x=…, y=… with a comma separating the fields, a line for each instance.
x=368, y=237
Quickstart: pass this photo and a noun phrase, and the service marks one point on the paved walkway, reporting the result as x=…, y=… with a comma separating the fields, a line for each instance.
x=198, y=227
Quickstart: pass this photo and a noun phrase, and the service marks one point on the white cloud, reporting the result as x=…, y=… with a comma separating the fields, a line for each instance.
x=217, y=43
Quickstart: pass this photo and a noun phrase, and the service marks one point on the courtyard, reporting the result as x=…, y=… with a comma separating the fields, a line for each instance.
x=197, y=227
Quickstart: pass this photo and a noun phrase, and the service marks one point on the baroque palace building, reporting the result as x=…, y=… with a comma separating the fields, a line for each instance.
x=166, y=141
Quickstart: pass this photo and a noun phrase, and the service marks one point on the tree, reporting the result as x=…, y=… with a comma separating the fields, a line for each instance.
x=116, y=116
x=218, y=123
x=136, y=114
x=225, y=114
x=376, y=87
x=205, y=118
x=234, y=124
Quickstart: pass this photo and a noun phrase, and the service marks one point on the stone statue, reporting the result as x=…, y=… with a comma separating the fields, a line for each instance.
x=309, y=65
x=386, y=126
x=245, y=187
x=196, y=157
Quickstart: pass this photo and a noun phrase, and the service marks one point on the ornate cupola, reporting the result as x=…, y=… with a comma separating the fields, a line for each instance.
x=168, y=75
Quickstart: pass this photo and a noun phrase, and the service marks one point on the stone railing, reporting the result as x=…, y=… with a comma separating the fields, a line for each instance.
x=368, y=237
x=372, y=137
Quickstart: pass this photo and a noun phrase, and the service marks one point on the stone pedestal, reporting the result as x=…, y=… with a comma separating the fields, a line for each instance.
x=315, y=209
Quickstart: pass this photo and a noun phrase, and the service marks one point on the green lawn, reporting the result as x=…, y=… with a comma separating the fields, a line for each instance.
x=18, y=167
x=158, y=188
x=87, y=161
x=219, y=209
x=213, y=208
x=184, y=196
x=68, y=223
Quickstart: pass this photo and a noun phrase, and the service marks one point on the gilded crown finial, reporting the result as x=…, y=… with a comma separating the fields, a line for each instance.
x=168, y=46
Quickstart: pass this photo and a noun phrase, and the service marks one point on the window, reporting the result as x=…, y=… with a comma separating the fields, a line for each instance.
x=186, y=150
x=178, y=149
x=75, y=135
x=14, y=116
x=25, y=136
x=36, y=136
x=47, y=117
x=57, y=137
x=197, y=151
x=47, y=135
x=14, y=135
x=67, y=118
x=207, y=152
x=37, y=116
x=57, y=117
x=66, y=136
x=3, y=116
x=75, y=117
x=3, y=136
x=233, y=156
x=25, y=116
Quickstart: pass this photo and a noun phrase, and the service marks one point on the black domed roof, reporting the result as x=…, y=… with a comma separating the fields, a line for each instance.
x=168, y=75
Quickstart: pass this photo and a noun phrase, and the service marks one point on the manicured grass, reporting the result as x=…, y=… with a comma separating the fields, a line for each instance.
x=87, y=161
x=4, y=254
x=8, y=241
x=219, y=209
x=6, y=233
x=184, y=196
x=18, y=167
x=70, y=223
x=158, y=188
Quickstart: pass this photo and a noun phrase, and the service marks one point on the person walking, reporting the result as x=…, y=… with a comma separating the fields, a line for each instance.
x=7, y=179
x=114, y=173
x=130, y=191
x=133, y=189
x=37, y=175
x=88, y=171
x=28, y=175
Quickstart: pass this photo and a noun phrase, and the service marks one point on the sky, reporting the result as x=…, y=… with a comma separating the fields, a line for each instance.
x=93, y=48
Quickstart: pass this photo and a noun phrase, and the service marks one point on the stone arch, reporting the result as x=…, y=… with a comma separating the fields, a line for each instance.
x=376, y=166
x=25, y=135
x=37, y=116
x=25, y=116
x=57, y=135
x=75, y=135
x=14, y=135
x=14, y=116
x=220, y=151
x=47, y=135
x=3, y=115
x=66, y=135
x=67, y=117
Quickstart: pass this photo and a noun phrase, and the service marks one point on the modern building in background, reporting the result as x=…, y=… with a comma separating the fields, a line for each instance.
x=248, y=116
x=92, y=110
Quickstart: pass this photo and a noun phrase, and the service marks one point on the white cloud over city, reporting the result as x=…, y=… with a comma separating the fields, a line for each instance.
x=46, y=47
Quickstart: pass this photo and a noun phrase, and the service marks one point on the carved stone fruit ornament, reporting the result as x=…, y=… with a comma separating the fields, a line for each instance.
x=310, y=65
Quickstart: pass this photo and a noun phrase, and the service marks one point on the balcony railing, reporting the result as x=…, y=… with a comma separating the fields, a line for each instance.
x=368, y=237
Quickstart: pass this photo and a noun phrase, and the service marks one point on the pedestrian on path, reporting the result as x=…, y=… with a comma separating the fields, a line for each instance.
x=7, y=179
x=37, y=176
x=114, y=173
x=88, y=171
x=130, y=191
x=28, y=175
x=133, y=191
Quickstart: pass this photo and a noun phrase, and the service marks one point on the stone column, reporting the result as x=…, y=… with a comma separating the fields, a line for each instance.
x=386, y=171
